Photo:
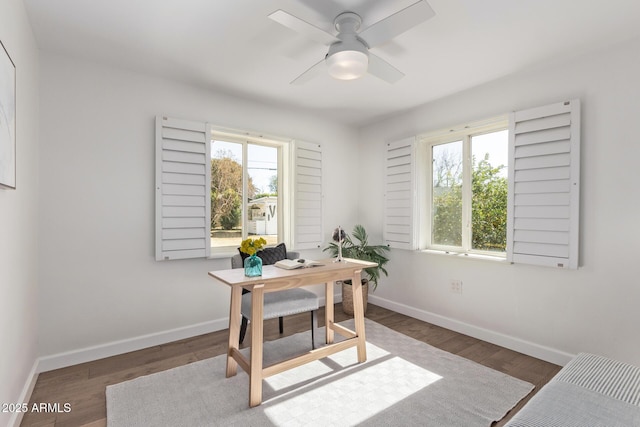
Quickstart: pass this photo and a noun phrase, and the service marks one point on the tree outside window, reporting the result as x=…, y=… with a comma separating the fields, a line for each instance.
x=485, y=203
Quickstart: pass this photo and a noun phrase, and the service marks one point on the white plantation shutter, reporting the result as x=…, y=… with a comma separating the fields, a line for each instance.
x=544, y=185
x=183, y=180
x=399, y=210
x=307, y=203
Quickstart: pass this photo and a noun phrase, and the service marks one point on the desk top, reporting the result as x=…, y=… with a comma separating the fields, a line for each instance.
x=272, y=275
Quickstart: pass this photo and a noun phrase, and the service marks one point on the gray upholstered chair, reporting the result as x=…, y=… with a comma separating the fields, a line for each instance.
x=279, y=304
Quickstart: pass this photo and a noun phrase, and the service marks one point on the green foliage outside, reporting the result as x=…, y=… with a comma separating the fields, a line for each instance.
x=231, y=218
x=273, y=184
x=447, y=218
x=488, y=209
x=226, y=191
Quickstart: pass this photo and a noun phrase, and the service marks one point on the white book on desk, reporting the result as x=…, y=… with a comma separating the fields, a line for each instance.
x=292, y=264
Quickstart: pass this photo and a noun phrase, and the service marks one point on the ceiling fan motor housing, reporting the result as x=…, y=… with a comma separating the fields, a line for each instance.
x=347, y=22
x=348, y=59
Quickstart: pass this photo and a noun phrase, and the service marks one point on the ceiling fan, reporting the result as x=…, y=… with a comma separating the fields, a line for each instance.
x=349, y=57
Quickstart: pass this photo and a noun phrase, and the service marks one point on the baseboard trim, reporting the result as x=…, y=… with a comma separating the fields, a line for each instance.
x=88, y=354
x=548, y=354
x=25, y=395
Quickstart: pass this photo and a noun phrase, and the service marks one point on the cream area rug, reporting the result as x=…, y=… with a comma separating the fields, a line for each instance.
x=404, y=382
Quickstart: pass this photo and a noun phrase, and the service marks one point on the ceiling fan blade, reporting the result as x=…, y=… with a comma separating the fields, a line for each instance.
x=315, y=70
x=303, y=27
x=397, y=23
x=383, y=70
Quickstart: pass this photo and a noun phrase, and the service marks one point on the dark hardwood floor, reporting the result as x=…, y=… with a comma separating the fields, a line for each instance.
x=83, y=386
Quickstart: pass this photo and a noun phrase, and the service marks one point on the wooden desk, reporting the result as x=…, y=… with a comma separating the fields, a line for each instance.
x=277, y=279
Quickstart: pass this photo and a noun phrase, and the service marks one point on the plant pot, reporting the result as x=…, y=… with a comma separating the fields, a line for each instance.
x=347, y=297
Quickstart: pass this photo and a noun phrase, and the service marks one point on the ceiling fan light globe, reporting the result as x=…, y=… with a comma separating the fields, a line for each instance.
x=347, y=64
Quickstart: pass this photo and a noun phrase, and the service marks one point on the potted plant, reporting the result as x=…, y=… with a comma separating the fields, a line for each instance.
x=358, y=247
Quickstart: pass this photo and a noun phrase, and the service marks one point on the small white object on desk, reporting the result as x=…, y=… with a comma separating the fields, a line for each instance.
x=292, y=264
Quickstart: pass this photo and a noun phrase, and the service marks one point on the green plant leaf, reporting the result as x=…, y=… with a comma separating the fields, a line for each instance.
x=363, y=251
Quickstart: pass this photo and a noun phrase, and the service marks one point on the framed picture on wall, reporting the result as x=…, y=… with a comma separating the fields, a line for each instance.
x=7, y=120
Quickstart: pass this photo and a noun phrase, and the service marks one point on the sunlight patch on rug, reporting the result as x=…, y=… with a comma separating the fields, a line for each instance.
x=381, y=385
x=322, y=367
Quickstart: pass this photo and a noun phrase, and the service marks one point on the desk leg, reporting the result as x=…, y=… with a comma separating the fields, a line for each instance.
x=328, y=311
x=234, y=329
x=358, y=316
x=255, y=375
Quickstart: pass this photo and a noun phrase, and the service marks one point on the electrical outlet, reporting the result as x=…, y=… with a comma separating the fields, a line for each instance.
x=456, y=286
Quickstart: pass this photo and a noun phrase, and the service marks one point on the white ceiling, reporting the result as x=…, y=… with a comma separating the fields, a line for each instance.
x=231, y=45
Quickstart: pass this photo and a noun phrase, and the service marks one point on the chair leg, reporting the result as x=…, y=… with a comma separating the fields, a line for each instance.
x=314, y=324
x=243, y=328
x=281, y=324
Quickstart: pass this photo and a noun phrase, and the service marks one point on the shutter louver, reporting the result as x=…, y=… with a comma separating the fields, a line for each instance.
x=544, y=185
x=308, y=196
x=183, y=200
x=399, y=209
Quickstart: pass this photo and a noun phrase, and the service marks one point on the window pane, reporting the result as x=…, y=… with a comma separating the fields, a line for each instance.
x=489, y=191
x=262, y=209
x=446, y=205
x=226, y=194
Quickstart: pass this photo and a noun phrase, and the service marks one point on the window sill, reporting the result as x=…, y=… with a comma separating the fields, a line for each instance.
x=482, y=257
x=222, y=254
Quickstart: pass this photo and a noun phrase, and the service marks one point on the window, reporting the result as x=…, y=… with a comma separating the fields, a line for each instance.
x=448, y=190
x=215, y=187
x=245, y=201
x=465, y=193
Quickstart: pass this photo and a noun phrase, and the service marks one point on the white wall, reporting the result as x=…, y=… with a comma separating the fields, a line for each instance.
x=99, y=281
x=544, y=311
x=18, y=218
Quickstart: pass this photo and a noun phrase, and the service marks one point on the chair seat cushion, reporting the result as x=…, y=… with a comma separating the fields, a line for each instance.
x=282, y=303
